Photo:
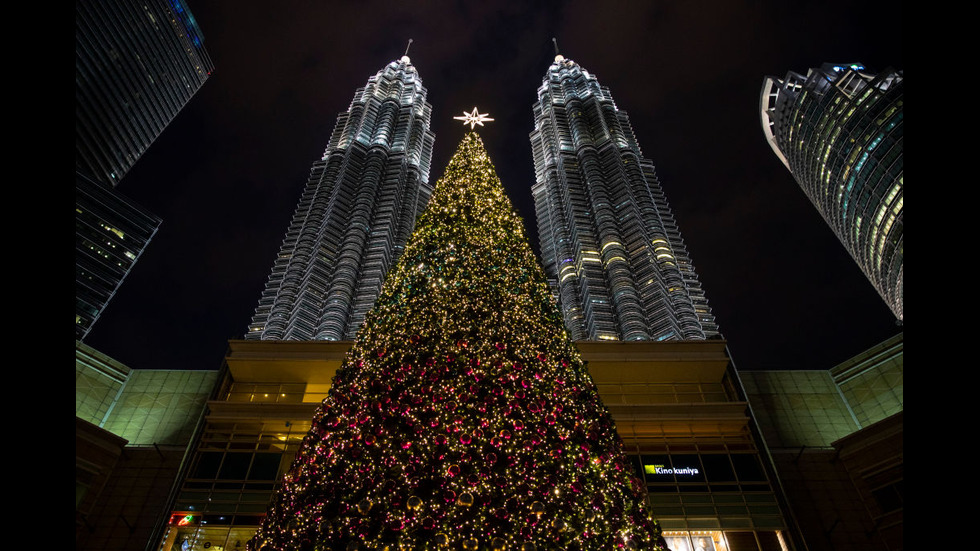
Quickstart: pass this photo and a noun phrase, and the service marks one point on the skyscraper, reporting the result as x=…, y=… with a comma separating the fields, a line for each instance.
x=110, y=234
x=609, y=242
x=839, y=132
x=136, y=65
x=355, y=214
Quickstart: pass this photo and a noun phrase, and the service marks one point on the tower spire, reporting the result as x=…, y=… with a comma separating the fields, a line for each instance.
x=405, y=58
x=558, y=56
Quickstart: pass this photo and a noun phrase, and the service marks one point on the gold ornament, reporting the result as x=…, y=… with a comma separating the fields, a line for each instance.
x=364, y=506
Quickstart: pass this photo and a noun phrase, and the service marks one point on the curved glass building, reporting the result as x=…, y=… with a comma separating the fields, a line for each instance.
x=357, y=210
x=839, y=132
x=609, y=242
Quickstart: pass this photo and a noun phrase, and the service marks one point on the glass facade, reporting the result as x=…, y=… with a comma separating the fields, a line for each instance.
x=873, y=382
x=355, y=214
x=814, y=409
x=609, y=241
x=136, y=65
x=266, y=398
x=691, y=442
x=98, y=381
x=839, y=132
x=111, y=233
x=799, y=408
x=836, y=439
x=161, y=406
x=133, y=429
x=146, y=407
x=231, y=479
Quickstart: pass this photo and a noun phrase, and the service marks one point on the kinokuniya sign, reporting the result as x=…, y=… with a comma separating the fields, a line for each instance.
x=676, y=471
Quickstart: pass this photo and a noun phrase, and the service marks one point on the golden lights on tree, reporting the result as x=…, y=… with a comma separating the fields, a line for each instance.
x=463, y=416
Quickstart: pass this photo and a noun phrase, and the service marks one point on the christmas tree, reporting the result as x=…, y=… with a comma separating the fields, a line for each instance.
x=463, y=417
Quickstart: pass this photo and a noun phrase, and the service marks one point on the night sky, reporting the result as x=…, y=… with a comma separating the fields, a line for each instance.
x=226, y=174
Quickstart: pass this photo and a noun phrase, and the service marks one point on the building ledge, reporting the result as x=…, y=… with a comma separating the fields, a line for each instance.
x=249, y=410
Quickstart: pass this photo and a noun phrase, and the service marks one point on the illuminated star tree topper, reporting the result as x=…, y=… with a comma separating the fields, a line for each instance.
x=473, y=118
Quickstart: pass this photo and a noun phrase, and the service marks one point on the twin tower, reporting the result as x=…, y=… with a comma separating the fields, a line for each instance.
x=609, y=243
